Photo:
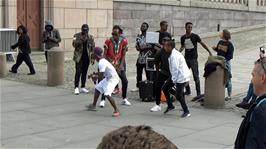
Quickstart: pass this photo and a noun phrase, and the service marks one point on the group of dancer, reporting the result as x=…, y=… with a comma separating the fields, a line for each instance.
x=172, y=68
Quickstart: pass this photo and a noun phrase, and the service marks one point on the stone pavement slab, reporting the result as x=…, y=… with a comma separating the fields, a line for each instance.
x=58, y=119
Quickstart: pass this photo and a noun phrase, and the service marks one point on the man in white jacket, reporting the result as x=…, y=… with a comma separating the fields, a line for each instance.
x=180, y=75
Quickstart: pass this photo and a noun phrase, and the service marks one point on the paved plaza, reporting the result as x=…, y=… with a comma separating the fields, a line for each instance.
x=36, y=116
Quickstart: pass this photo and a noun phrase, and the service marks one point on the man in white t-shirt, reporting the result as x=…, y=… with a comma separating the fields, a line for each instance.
x=108, y=78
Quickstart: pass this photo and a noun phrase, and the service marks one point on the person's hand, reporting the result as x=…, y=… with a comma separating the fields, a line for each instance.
x=12, y=47
x=94, y=78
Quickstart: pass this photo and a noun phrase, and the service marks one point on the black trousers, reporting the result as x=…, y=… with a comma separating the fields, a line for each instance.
x=124, y=80
x=179, y=94
x=161, y=78
x=194, y=66
x=46, y=55
x=140, y=68
x=81, y=70
x=26, y=58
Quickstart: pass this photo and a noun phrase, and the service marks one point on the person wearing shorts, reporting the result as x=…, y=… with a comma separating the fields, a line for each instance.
x=108, y=78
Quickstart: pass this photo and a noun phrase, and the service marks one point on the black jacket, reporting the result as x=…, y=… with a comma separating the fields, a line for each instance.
x=252, y=131
x=23, y=44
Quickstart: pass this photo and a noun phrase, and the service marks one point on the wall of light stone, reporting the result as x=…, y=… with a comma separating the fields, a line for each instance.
x=130, y=15
x=69, y=15
x=8, y=14
x=101, y=15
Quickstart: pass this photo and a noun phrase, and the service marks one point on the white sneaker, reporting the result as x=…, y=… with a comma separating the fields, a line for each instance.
x=126, y=102
x=102, y=103
x=76, y=92
x=156, y=108
x=84, y=90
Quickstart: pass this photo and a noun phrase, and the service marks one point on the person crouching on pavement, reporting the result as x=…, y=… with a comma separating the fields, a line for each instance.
x=23, y=45
x=180, y=75
x=108, y=78
x=83, y=44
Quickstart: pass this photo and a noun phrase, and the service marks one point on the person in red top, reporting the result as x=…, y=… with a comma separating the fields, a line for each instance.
x=114, y=51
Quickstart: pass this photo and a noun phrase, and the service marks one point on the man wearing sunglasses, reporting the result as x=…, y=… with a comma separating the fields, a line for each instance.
x=114, y=51
x=252, y=132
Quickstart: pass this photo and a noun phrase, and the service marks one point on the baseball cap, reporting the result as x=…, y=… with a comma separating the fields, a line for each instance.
x=98, y=52
x=85, y=27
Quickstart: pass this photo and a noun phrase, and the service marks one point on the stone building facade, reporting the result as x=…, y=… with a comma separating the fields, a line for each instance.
x=101, y=15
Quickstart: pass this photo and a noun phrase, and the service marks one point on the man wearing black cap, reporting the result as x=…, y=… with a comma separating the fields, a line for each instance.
x=83, y=44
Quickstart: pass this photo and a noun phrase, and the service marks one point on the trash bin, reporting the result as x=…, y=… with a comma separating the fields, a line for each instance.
x=215, y=89
x=3, y=67
x=55, y=67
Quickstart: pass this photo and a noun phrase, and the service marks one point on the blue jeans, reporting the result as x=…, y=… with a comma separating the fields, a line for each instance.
x=250, y=94
x=229, y=83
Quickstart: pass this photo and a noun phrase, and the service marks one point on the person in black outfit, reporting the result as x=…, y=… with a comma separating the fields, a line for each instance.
x=163, y=73
x=252, y=132
x=189, y=42
x=144, y=52
x=23, y=45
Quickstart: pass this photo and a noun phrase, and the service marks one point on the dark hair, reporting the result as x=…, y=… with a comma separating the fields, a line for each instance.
x=189, y=23
x=135, y=137
x=226, y=34
x=119, y=28
x=146, y=24
x=23, y=28
x=170, y=42
x=163, y=22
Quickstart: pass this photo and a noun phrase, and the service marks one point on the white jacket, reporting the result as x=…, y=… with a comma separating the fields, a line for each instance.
x=178, y=67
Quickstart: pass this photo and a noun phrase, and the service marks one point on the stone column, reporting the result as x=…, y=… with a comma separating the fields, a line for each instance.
x=215, y=89
x=3, y=67
x=55, y=67
x=252, y=5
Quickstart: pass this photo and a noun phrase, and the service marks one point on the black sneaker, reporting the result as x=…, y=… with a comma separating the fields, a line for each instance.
x=187, y=93
x=12, y=71
x=91, y=107
x=243, y=105
x=169, y=109
x=185, y=114
x=31, y=73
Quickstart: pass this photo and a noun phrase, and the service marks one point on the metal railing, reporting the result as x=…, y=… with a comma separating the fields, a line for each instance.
x=261, y=2
x=8, y=37
x=241, y=2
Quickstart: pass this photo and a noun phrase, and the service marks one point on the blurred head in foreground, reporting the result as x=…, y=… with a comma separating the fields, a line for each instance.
x=135, y=137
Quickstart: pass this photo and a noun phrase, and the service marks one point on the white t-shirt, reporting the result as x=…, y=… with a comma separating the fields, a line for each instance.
x=107, y=68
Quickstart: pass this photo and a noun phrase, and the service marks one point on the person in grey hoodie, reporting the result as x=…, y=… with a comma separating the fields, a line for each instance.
x=51, y=37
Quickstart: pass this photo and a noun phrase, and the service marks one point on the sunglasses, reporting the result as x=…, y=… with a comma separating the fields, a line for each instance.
x=261, y=62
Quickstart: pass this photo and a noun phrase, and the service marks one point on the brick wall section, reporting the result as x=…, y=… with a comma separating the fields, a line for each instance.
x=131, y=15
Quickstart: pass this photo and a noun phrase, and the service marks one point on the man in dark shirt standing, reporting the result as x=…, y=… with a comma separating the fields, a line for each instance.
x=163, y=32
x=189, y=42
